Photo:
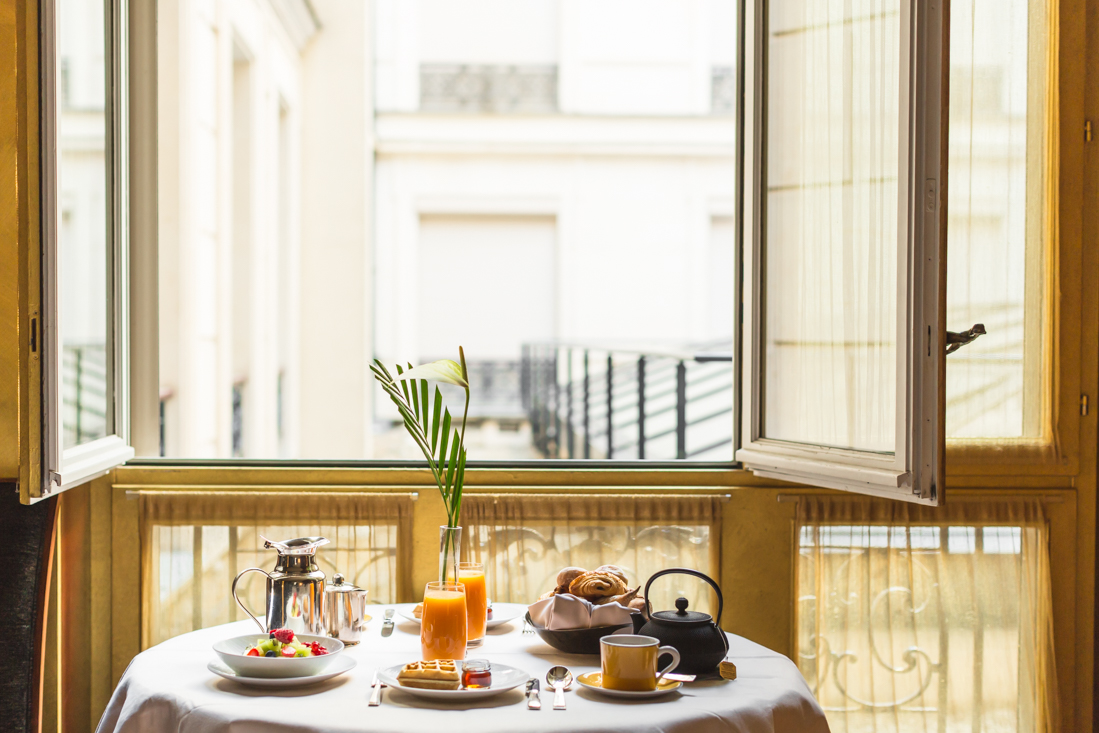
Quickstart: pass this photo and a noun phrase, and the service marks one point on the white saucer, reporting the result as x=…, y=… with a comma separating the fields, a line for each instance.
x=339, y=665
x=502, y=613
x=593, y=681
x=504, y=678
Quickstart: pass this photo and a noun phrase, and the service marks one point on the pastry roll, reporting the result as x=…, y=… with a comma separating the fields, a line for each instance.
x=595, y=585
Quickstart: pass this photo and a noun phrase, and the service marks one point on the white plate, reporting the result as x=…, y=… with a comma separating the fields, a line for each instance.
x=232, y=656
x=502, y=613
x=592, y=681
x=339, y=665
x=504, y=678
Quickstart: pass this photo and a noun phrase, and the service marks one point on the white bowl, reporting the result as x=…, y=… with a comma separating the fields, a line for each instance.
x=232, y=654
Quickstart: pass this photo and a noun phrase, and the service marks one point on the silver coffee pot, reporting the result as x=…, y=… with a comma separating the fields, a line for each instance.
x=295, y=589
x=344, y=610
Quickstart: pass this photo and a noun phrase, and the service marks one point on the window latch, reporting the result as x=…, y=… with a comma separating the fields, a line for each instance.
x=955, y=340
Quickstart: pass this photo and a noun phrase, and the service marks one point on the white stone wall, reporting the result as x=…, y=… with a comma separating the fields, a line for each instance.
x=230, y=121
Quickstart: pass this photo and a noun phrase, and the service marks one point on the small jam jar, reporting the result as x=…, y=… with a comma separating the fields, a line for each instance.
x=476, y=674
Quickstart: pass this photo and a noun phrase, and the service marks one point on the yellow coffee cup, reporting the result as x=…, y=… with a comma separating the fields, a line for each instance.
x=629, y=662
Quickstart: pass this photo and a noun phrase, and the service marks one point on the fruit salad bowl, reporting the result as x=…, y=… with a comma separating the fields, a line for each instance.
x=234, y=653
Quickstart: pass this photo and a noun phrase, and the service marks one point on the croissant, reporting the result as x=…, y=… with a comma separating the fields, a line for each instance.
x=566, y=576
x=613, y=570
x=594, y=585
x=622, y=598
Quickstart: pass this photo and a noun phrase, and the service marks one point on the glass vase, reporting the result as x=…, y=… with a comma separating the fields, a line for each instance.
x=450, y=548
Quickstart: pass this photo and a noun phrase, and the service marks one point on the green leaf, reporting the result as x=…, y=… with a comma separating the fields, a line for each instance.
x=424, y=402
x=438, y=408
x=384, y=370
x=444, y=370
x=401, y=376
x=445, y=436
x=415, y=399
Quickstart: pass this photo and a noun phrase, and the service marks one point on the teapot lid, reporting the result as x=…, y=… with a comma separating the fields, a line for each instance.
x=340, y=585
x=682, y=616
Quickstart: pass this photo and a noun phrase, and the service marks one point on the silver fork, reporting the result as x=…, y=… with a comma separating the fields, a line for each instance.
x=527, y=628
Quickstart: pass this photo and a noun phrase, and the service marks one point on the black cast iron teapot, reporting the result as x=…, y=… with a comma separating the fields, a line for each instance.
x=700, y=642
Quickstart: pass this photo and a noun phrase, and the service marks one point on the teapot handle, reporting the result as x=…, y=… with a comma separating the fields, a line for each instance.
x=241, y=603
x=686, y=571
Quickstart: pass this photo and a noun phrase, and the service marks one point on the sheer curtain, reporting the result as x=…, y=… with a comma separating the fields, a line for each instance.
x=929, y=620
x=1000, y=204
x=525, y=540
x=831, y=235
x=194, y=544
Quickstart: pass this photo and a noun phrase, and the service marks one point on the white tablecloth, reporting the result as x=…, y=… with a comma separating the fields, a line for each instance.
x=168, y=688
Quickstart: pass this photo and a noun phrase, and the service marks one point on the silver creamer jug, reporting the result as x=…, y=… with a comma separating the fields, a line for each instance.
x=345, y=610
x=295, y=589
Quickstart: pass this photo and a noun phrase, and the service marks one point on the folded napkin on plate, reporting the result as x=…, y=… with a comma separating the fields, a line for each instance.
x=566, y=611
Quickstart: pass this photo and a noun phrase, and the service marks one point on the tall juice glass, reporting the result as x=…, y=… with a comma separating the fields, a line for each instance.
x=472, y=576
x=443, y=628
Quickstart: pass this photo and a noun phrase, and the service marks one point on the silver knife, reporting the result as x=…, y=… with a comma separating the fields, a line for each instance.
x=387, y=625
x=376, y=693
x=534, y=701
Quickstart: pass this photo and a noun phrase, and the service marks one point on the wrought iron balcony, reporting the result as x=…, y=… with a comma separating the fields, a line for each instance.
x=587, y=401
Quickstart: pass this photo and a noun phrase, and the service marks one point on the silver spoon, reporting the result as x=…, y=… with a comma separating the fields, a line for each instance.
x=560, y=678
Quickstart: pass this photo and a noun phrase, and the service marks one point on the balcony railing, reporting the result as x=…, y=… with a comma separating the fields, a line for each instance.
x=585, y=401
x=84, y=384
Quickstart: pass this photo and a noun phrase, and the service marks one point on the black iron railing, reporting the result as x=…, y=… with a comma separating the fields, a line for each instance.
x=84, y=385
x=589, y=402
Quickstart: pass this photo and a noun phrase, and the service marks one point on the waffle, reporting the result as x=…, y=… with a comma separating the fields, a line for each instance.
x=439, y=674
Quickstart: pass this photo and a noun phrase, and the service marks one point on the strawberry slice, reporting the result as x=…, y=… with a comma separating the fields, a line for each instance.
x=285, y=636
x=253, y=652
x=289, y=651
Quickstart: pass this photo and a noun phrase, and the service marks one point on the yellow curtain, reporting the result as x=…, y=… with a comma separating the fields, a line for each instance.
x=919, y=619
x=525, y=540
x=194, y=543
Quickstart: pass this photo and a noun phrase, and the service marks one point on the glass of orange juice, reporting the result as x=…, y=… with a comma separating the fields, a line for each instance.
x=472, y=576
x=443, y=628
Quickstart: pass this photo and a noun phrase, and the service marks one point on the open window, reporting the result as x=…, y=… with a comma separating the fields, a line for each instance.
x=844, y=238
x=80, y=338
x=844, y=189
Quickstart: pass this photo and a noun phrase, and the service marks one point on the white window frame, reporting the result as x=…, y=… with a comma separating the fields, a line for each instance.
x=63, y=468
x=915, y=472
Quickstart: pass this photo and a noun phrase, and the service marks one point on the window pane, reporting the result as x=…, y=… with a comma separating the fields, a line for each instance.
x=830, y=243
x=82, y=205
x=997, y=207
x=394, y=179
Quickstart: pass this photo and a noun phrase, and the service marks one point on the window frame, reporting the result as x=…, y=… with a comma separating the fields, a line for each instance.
x=916, y=470
x=63, y=468
x=1055, y=453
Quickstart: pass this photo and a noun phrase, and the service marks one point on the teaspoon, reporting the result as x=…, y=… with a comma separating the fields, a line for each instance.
x=560, y=678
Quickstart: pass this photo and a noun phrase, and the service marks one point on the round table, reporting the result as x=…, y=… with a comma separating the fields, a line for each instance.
x=169, y=688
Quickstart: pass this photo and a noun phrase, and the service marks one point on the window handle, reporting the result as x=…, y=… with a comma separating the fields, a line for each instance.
x=955, y=340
